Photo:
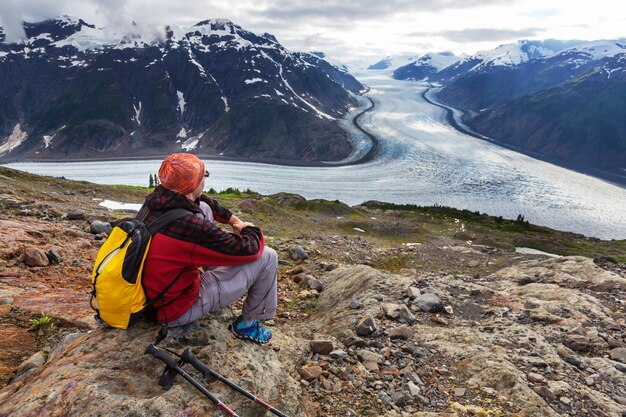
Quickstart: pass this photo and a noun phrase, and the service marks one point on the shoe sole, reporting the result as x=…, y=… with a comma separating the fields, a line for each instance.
x=244, y=337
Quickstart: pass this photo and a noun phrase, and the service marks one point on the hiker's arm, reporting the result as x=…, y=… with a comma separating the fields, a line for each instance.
x=220, y=248
x=220, y=213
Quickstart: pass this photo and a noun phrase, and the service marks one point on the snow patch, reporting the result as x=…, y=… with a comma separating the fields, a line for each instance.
x=190, y=144
x=182, y=133
x=47, y=140
x=14, y=140
x=137, y=114
x=255, y=80
x=116, y=205
x=226, y=106
x=181, y=102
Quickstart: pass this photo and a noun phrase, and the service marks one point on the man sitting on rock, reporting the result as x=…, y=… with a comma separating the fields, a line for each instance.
x=239, y=262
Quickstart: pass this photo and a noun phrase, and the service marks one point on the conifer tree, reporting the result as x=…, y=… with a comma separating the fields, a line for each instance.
x=151, y=185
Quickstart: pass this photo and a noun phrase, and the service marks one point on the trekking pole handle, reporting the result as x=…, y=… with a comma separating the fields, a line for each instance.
x=169, y=361
x=188, y=357
x=159, y=354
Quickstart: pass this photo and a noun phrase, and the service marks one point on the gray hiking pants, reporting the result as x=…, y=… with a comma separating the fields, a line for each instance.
x=223, y=285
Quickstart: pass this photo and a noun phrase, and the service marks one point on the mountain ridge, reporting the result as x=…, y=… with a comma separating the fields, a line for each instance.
x=77, y=91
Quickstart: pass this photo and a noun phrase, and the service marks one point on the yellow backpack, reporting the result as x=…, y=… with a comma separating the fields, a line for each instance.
x=117, y=294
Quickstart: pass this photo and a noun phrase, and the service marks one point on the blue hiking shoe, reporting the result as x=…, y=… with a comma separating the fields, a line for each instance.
x=256, y=332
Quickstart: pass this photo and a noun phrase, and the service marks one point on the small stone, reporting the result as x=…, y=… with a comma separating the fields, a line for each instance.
x=399, y=398
x=323, y=347
x=298, y=253
x=414, y=390
x=54, y=257
x=459, y=392
x=310, y=373
x=565, y=401
x=6, y=300
x=401, y=332
x=35, y=361
x=98, y=227
x=620, y=400
x=354, y=304
x=398, y=312
x=366, y=326
x=536, y=378
x=295, y=271
x=618, y=354
x=413, y=292
x=354, y=341
x=338, y=354
x=620, y=367
x=76, y=215
x=382, y=395
x=589, y=381
x=546, y=393
x=313, y=283
x=35, y=257
x=5, y=310
x=448, y=310
x=429, y=303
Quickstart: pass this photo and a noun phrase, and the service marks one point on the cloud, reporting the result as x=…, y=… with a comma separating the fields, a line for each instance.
x=481, y=34
x=341, y=11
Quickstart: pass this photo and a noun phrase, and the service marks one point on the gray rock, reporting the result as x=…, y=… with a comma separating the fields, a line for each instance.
x=620, y=400
x=413, y=292
x=338, y=354
x=386, y=399
x=298, y=253
x=398, y=312
x=313, y=283
x=354, y=341
x=75, y=215
x=354, y=304
x=618, y=354
x=98, y=226
x=323, y=347
x=429, y=303
x=399, y=398
x=366, y=327
x=54, y=257
x=414, y=390
x=565, y=401
x=459, y=392
x=35, y=361
x=67, y=340
x=620, y=367
x=35, y=257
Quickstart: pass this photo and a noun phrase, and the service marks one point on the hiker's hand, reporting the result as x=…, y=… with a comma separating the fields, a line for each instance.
x=237, y=227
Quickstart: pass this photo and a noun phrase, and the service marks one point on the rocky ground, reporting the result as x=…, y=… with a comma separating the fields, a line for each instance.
x=383, y=311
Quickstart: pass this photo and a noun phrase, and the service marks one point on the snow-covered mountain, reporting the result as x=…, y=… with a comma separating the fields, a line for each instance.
x=393, y=62
x=74, y=90
x=566, y=104
x=426, y=66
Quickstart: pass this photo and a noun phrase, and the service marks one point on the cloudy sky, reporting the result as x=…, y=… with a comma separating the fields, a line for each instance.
x=367, y=29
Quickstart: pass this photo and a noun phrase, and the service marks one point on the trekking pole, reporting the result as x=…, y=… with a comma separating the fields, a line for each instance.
x=161, y=355
x=188, y=357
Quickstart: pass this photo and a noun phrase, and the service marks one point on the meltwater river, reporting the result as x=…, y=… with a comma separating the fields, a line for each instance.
x=422, y=160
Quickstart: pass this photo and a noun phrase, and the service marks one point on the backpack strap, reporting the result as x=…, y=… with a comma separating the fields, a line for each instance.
x=166, y=218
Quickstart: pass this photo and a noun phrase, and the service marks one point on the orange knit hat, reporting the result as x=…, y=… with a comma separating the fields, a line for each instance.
x=181, y=172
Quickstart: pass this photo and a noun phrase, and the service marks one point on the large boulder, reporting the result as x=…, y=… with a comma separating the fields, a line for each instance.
x=106, y=373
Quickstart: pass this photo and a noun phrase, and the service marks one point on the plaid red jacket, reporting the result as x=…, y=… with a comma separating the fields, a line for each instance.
x=186, y=244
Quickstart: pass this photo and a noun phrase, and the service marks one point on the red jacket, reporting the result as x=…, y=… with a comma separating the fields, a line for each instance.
x=185, y=245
